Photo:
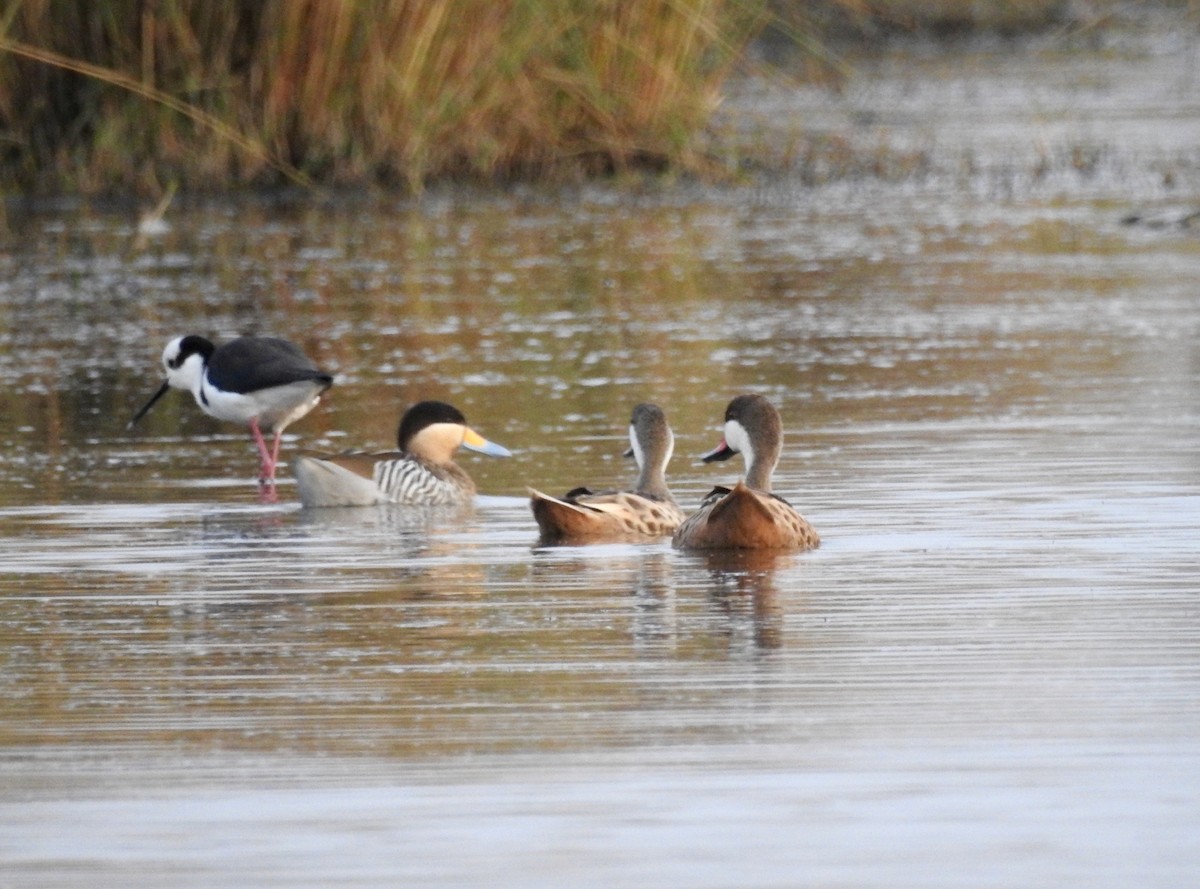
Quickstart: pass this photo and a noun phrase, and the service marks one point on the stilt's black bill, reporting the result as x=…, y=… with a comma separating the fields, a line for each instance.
x=149, y=404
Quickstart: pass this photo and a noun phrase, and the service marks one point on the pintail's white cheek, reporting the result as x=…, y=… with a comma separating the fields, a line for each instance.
x=735, y=436
x=638, y=454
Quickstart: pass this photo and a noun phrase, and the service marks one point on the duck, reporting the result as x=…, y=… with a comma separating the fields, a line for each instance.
x=748, y=515
x=422, y=472
x=648, y=511
x=262, y=381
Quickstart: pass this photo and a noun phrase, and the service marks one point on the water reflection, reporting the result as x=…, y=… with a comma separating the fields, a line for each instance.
x=743, y=590
x=655, y=612
x=931, y=400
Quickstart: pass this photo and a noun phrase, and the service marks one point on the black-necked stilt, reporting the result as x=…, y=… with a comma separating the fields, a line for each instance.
x=421, y=473
x=263, y=381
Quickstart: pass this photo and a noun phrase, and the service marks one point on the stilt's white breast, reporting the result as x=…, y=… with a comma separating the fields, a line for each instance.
x=274, y=408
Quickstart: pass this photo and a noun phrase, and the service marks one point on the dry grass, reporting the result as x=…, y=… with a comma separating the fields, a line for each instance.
x=107, y=96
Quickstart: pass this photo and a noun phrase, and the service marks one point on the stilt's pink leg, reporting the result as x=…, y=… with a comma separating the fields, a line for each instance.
x=275, y=452
x=267, y=473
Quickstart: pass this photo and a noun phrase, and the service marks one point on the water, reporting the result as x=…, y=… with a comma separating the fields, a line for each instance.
x=986, y=675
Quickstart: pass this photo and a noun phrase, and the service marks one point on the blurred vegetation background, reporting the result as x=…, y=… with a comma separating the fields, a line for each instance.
x=143, y=96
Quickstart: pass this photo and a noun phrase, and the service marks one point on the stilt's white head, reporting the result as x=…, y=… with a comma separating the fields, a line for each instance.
x=183, y=359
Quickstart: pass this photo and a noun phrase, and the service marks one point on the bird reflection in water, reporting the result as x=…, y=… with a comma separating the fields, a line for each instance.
x=744, y=591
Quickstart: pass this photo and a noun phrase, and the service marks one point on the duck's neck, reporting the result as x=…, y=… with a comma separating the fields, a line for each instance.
x=759, y=471
x=652, y=480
